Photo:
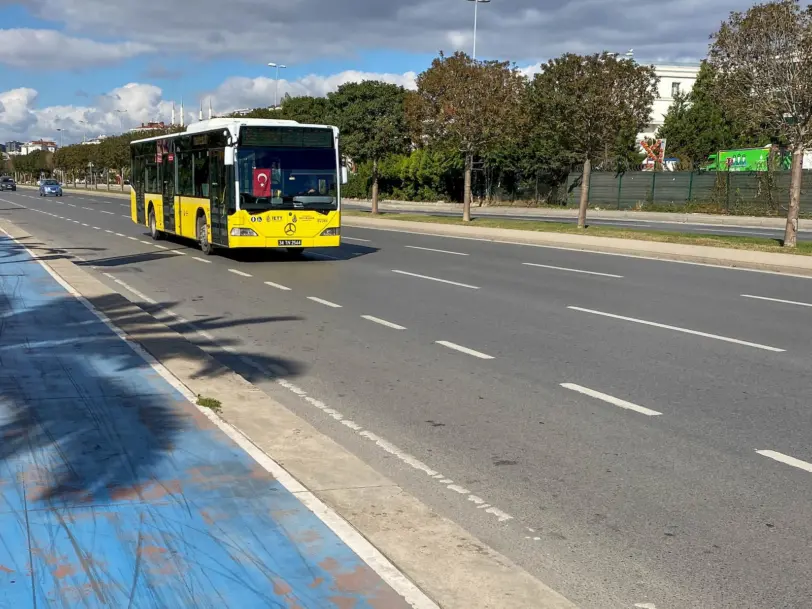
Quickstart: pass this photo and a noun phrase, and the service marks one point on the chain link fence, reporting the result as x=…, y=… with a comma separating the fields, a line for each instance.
x=735, y=193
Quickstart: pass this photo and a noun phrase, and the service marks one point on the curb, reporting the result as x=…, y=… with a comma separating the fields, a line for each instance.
x=452, y=567
x=714, y=256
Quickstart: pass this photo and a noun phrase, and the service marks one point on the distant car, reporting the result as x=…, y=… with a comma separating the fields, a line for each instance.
x=50, y=187
x=7, y=183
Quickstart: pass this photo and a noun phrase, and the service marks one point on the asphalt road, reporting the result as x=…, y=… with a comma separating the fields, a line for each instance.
x=594, y=417
x=645, y=225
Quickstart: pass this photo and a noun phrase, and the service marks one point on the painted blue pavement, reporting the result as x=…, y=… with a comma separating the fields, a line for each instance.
x=116, y=492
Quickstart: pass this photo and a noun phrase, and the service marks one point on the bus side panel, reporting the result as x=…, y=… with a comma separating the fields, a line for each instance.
x=155, y=202
x=189, y=207
x=133, y=208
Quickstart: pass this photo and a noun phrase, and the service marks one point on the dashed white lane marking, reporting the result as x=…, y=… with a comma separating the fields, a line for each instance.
x=356, y=239
x=789, y=302
x=240, y=273
x=563, y=268
x=178, y=252
x=132, y=238
x=278, y=286
x=645, y=606
x=160, y=247
x=71, y=205
x=107, y=212
x=144, y=242
x=88, y=208
x=462, y=285
x=96, y=227
x=83, y=224
x=383, y=322
x=108, y=231
x=611, y=399
x=678, y=329
x=465, y=350
x=118, y=234
x=201, y=259
x=430, y=249
x=786, y=459
x=123, y=216
x=326, y=303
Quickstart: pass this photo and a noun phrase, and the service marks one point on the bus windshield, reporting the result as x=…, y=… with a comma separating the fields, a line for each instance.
x=285, y=178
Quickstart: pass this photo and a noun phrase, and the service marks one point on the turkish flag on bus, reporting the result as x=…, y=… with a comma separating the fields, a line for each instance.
x=262, y=182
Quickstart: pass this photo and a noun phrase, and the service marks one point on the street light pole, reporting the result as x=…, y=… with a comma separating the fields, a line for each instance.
x=276, y=84
x=476, y=14
x=121, y=120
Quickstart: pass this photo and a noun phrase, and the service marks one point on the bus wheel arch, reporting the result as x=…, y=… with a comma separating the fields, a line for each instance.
x=203, y=232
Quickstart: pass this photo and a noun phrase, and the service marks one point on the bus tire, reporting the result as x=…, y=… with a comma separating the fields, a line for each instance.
x=153, y=226
x=203, y=235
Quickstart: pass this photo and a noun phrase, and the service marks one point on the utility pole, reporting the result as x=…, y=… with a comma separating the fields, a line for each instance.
x=476, y=14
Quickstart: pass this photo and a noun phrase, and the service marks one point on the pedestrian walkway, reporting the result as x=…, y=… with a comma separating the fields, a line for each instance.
x=117, y=492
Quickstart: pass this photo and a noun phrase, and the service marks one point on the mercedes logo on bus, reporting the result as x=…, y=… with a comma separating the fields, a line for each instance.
x=290, y=229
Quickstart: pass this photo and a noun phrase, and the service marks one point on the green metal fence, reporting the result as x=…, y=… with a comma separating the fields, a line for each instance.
x=728, y=192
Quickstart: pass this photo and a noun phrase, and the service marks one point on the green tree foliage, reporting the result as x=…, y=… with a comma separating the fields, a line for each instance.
x=764, y=60
x=589, y=109
x=32, y=166
x=371, y=118
x=467, y=105
x=704, y=121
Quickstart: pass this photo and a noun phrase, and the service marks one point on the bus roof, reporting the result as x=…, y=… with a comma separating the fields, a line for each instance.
x=233, y=125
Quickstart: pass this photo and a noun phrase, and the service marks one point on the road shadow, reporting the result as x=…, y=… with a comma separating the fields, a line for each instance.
x=12, y=250
x=84, y=420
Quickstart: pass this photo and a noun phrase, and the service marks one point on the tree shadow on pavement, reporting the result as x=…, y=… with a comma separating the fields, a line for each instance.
x=11, y=250
x=84, y=420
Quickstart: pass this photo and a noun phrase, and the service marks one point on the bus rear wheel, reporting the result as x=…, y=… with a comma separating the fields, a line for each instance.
x=203, y=236
x=153, y=227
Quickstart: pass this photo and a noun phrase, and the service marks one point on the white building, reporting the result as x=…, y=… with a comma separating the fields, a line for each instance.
x=673, y=79
x=44, y=145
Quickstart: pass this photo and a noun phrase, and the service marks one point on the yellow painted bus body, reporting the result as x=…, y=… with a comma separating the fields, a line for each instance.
x=273, y=228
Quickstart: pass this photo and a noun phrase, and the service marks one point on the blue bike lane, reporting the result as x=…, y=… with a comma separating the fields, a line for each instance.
x=115, y=491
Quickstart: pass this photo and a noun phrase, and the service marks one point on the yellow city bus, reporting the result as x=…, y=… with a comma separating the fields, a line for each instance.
x=241, y=183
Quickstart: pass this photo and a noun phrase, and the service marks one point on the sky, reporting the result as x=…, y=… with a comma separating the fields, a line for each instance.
x=91, y=67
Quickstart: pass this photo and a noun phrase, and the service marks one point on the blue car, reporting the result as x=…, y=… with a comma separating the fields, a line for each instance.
x=50, y=187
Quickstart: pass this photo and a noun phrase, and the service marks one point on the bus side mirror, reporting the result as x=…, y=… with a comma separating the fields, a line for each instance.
x=344, y=174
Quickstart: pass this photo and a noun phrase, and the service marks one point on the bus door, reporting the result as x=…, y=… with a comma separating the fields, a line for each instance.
x=168, y=192
x=138, y=184
x=220, y=196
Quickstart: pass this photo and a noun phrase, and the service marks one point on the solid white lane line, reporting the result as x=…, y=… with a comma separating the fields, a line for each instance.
x=383, y=322
x=465, y=350
x=240, y=273
x=357, y=239
x=462, y=285
x=107, y=212
x=786, y=459
x=429, y=249
x=790, y=302
x=278, y=286
x=611, y=399
x=326, y=303
x=678, y=329
x=562, y=268
x=201, y=259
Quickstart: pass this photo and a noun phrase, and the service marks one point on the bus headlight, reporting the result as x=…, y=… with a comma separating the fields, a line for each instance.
x=331, y=232
x=243, y=232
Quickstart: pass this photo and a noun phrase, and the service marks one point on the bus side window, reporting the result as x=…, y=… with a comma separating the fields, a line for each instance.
x=201, y=175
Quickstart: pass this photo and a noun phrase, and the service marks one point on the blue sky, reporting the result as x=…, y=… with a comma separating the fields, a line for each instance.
x=91, y=65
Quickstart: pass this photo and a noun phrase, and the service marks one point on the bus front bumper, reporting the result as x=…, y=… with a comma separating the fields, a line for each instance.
x=269, y=242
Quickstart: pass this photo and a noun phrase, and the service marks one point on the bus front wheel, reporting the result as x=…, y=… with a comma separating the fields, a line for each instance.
x=203, y=236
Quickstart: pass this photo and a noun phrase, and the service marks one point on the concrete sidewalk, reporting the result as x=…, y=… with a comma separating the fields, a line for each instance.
x=116, y=491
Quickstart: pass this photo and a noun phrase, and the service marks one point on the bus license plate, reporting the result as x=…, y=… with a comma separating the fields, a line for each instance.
x=289, y=242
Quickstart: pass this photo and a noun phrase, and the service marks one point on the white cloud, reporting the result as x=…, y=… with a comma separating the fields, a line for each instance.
x=307, y=30
x=49, y=49
x=132, y=104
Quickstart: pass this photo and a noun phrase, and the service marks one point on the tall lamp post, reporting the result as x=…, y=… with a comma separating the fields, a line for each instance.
x=121, y=119
x=476, y=14
x=276, y=85
x=61, y=173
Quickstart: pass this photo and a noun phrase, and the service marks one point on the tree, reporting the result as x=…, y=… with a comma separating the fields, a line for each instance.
x=764, y=58
x=371, y=118
x=468, y=105
x=591, y=107
x=702, y=122
x=304, y=109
